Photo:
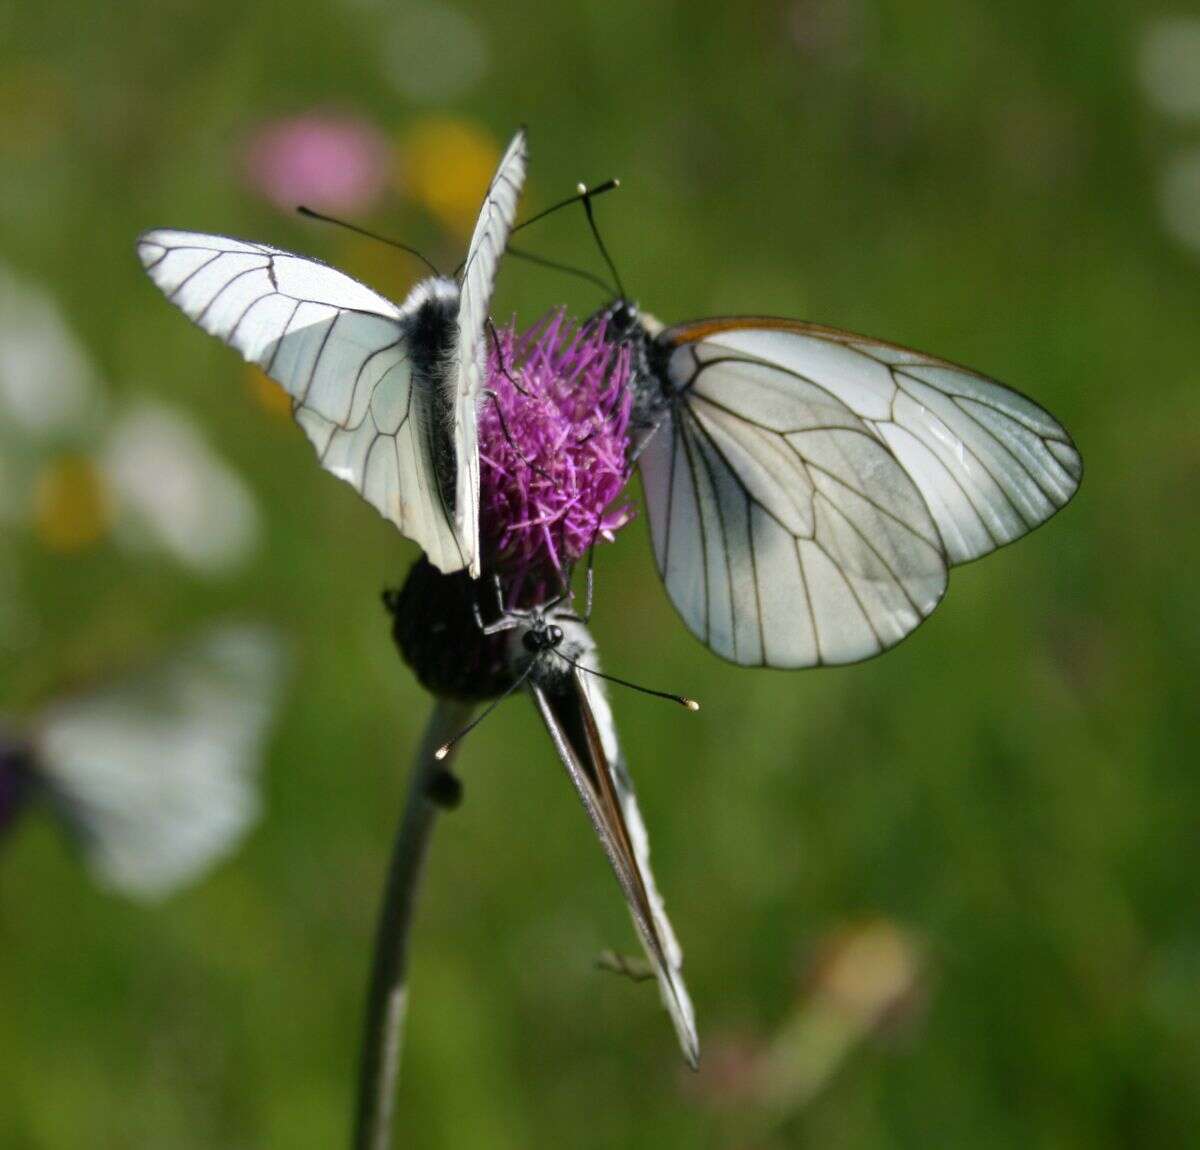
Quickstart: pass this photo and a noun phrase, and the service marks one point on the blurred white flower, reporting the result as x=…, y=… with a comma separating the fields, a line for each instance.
x=1179, y=197
x=434, y=53
x=1168, y=65
x=174, y=493
x=47, y=384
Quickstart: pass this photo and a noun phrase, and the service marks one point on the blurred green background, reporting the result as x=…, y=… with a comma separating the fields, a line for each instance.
x=1006, y=808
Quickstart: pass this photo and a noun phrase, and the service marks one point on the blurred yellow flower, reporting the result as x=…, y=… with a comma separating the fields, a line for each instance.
x=446, y=163
x=72, y=507
x=267, y=393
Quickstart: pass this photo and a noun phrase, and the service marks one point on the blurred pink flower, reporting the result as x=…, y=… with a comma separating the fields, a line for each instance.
x=326, y=160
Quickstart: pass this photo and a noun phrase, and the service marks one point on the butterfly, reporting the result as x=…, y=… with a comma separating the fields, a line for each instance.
x=808, y=489
x=553, y=655
x=154, y=774
x=387, y=393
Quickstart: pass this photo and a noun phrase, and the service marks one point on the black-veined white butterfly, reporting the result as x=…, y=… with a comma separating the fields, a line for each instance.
x=155, y=774
x=387, y=393
x=552, y=653
x=808, y=489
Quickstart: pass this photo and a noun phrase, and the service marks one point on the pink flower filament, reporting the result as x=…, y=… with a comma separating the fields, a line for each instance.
x=553, y=449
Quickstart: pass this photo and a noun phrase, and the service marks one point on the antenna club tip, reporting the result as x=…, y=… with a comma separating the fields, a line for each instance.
x=616, y=182
x=581, y=188
x=691, y=704
x=442, y=752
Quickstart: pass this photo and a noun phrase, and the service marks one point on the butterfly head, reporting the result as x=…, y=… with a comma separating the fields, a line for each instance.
x=547, y=643
x=622, y=319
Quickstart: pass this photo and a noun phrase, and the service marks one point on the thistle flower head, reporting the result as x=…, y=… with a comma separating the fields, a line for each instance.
x=553, y=448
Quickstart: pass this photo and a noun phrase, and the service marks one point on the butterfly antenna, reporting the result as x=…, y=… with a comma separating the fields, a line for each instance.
x=511, y=442
x=310, y=214
x=444, y=749
x=582, y=192
x=682, y=700
x=579, y=273
x=586, y=197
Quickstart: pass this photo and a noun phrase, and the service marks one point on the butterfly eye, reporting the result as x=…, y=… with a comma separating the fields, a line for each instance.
x=532, y=641
x=554, y=634
x=623, y=317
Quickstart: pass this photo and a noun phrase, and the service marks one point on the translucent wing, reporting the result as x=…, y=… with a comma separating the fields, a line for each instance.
x=989, y=462
x=158, y=773
x=478, y=279
x=341, y=352
x=787, y=533
x=580, y=723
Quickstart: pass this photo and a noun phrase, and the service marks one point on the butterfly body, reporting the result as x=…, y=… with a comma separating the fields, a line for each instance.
x=625, y=323
x=433, y=338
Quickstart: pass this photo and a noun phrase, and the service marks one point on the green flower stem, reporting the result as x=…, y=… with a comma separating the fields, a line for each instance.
x=388, y=997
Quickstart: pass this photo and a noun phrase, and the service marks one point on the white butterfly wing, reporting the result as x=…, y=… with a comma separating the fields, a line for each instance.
x=990, y=463
x=580, y=723
x=786, y=532
x=158, y=773
x=478, y=280
x=340, y=351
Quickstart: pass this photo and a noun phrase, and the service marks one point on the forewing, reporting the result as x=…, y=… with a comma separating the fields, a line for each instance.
x=478, y=280
x=786, y=532
x=990, y=463
x=580, y=723
x=338, y=349
x=158, y=772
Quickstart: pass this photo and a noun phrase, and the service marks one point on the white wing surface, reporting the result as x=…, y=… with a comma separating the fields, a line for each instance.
x=786, y=533
x=990, y=463
x=340, y=351
x=478, y=280
x=158, y=773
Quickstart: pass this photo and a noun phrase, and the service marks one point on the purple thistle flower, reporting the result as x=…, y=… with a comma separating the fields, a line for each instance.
x=553, y=451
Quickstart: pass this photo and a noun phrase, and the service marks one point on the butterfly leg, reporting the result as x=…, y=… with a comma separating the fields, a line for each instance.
x=507, y=620
x=589, y=584
x=508, y=436
x=500, y=359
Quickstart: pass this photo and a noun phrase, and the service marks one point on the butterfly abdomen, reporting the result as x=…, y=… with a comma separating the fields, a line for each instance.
x=433, y=340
